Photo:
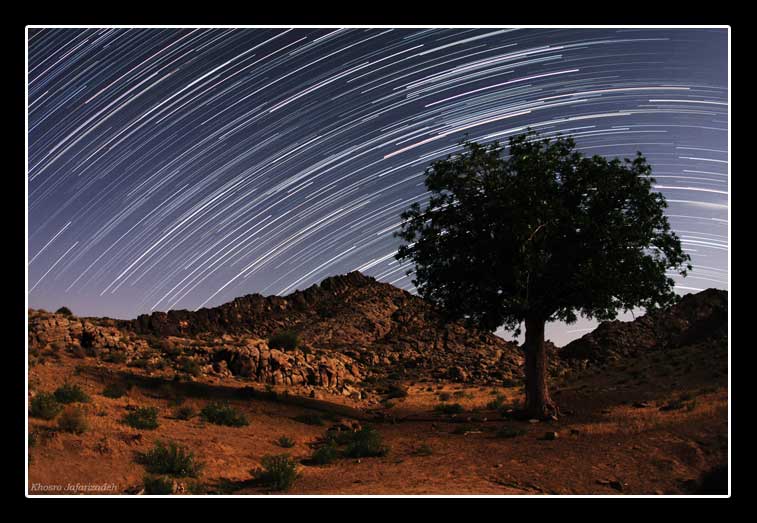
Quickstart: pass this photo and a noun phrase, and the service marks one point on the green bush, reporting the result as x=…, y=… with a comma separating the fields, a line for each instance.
x=115, y=390
x=191, y=367
x=285, y=442
x=142, y=418
x=365, y=443
x=278, y=473
x=184, y=413
x=158, y=485
x=172, y=459
x=497, y=403
x=224, y=414
x=325, y=455
x=73, y=420
x=309, y=419
x=64, y=310
x=71, y=394
x=284, y=340
x=45, y=406
x=449, y=408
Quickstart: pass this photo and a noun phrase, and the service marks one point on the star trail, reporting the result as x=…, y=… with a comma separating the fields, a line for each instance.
x=180, y=168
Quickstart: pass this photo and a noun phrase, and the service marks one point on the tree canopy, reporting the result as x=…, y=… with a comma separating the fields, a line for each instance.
x=544, y=233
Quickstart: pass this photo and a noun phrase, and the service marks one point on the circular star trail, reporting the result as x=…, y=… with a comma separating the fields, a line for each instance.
x=180, y=168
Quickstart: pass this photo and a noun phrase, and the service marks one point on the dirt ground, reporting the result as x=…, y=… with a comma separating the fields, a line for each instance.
x=612, y=437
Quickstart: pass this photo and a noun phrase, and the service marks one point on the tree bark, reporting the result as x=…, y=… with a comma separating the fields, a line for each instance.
x=539, y=404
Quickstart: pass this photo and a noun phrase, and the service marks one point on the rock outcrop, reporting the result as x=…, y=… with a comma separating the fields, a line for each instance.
x=697, y=318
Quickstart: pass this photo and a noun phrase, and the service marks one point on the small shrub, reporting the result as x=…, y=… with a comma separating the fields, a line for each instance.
x=449, y=408
x=423, y=450
x=73, y=420
x=497, y=403
x=366, y=443
x=191, y=367
x=444, y=396
x=285, y=442
x=184, y=413
x=145, y=418
x=158, y=485
x=396, y=391
x=172, y=459
x=284, y=340
x=325, y=454
x=278, y=473
x=224, y=414
x=87, y=339
x=45, y=406
x=71, y=394
x=65, y=311
x=309, y=419
x=115, y=390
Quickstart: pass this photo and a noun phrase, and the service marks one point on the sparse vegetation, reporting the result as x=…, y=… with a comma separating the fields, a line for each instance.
x=184, y=413
x=325, y=454
x=278, y=472
x=497, y=403
x=115, y=356
x=145, y=418
x=366, y=443
x=172, y=459
x=287, y=340
x=73, y=420
x=191, y=367
x=115, y=390
x=224, y=414
x=45, y=406
x=157, y=485
x=423, y=450
x=68, y=393
x=285, y=442
x=444, y=396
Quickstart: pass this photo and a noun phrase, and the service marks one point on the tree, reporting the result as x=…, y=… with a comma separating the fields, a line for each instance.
x=541, y=235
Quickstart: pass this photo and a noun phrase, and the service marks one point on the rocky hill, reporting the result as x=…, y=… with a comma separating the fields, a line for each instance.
x=696, y=319
x=351, y=328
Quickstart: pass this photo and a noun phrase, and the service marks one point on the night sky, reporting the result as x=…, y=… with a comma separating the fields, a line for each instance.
x=181, y=168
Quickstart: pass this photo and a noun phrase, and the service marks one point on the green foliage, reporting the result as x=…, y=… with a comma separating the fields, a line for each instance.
x=325, y=454
x=224, y=414
x=65, y=311
x=45, y=406
x=366, y=443
x=144, y=418
x=115, y=390
x=172, y=459
x=449, y=408
x=158, y=485
x=278, y=472
x=285, y=442
x=309, y=419
x=544, y=234
x=73, y=420
x=68, y=393
x=287, y=339
x=184, y=413
x=497, y=403
x=191, y=367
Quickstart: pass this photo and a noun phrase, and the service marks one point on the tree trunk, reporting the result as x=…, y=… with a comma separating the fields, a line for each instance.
x=539, y=405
